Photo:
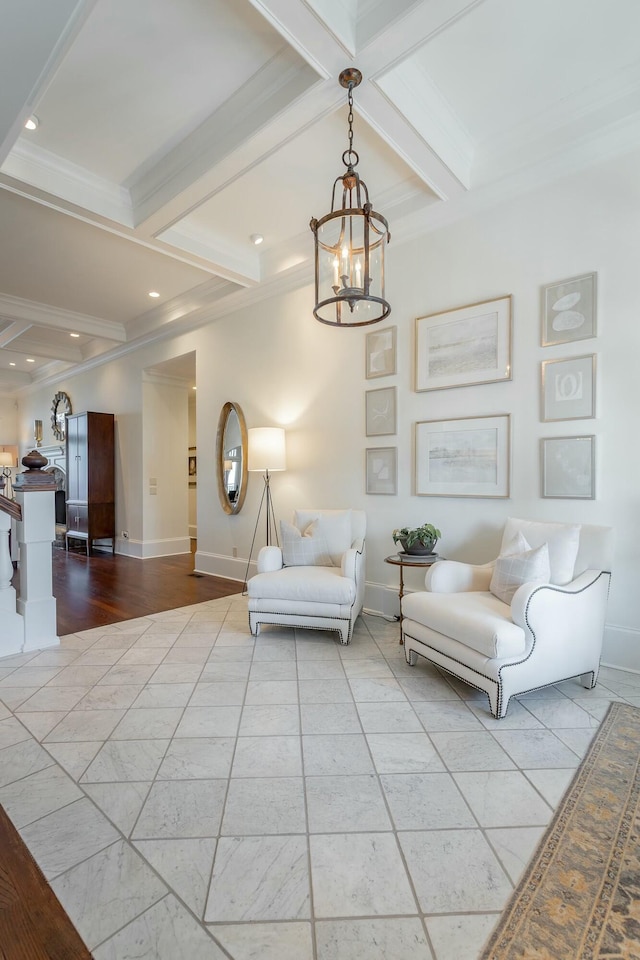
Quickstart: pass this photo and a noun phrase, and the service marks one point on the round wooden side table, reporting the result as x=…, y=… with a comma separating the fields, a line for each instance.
x=409, y=560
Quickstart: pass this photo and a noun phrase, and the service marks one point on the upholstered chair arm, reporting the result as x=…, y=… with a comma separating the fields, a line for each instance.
x=352, y=560
x=451, y=576
x=542, y=602
x=565, y=623
x=269, y=559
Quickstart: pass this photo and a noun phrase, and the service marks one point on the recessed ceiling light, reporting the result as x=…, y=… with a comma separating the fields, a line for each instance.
x=74, y=334
x=256, y=238
x=32, y=123
x=30, y=360
x=11, y=363
x=154, y=293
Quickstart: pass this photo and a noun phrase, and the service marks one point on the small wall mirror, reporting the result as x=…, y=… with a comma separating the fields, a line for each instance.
x=231, y=458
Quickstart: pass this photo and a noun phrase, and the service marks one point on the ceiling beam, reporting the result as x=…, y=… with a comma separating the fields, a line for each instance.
x=12, y=332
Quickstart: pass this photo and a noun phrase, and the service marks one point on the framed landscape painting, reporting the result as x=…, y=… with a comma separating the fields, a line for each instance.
x=469, y=345
x=463, y=458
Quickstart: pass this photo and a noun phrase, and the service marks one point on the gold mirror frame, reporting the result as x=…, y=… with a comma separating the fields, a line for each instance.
x=228, y=505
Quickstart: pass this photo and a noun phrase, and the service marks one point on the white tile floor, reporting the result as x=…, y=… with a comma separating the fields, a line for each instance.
x=191, y=792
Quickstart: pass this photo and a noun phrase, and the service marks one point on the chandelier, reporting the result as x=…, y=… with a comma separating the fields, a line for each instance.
x=349, y=244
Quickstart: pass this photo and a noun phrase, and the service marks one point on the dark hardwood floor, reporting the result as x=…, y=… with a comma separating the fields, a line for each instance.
x=103, y=588
x=33, y=924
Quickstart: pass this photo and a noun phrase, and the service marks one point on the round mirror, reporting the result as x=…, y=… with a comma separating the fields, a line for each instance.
x=231, y=458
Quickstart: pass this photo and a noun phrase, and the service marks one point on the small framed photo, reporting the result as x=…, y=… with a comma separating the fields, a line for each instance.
x=569, y=388
x=381, y=419
x=569, y=310
x=463, y=458
x=469, y=345
x=381, y=353
x=382, y=470
x=568, y=467
x=192, y=464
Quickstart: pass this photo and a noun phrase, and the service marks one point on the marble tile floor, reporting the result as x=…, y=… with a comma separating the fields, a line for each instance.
x=189, y=791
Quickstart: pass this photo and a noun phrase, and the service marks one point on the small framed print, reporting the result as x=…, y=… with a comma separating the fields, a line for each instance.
x=381, y=419
x=381, y=353
x=469, y=345
x=463, y=458
x=382, y=470
x=569, y=310
x=568, y=467
x=569, y=388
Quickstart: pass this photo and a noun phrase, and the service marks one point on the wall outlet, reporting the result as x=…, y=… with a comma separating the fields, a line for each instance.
x=125, y=534
x=234, y=551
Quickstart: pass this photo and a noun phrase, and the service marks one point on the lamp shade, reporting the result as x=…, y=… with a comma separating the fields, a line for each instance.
x=266, y=449
x=6, y=459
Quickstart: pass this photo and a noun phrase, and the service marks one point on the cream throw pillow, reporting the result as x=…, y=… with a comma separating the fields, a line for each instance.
x=334, y=525
x=519, y=564
x=304, y=549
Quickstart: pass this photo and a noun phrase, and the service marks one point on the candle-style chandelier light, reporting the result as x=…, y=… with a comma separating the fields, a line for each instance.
x=350, y=244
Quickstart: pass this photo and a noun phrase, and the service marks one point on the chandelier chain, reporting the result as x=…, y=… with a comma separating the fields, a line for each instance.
x=351, y=153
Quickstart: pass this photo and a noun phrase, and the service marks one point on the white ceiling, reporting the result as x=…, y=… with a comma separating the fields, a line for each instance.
x=169, y=132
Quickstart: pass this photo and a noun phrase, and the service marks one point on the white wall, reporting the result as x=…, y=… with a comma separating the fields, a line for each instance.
x=8, y=421
x=284, y=368
x=165, y=430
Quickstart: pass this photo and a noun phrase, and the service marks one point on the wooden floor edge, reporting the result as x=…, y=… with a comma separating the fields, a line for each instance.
x=33, y=922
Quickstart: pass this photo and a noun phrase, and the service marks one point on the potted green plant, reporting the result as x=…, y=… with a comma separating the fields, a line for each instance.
x=419, y=541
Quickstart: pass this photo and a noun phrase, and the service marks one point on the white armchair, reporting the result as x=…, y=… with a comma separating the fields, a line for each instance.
x=549, y=632
x=324, y=594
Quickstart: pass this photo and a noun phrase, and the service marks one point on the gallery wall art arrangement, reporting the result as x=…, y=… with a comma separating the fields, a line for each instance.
x=472, y=345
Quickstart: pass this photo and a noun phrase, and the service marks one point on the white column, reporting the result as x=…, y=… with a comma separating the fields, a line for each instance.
x=36, y=532
x=12, y=630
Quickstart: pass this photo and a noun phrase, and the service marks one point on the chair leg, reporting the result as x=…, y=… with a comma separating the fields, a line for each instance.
x=589, y=680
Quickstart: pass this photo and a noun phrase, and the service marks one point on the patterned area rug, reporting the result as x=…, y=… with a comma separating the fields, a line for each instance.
x=580, y=896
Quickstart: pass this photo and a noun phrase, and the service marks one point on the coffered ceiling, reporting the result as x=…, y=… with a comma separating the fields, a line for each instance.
x=170, y=132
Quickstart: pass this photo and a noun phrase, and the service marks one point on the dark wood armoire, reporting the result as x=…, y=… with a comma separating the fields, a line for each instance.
x=90, y=478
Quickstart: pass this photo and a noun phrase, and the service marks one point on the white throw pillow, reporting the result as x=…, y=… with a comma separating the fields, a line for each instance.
x=562, y=539
x=304, y=549
x=334, y=525
x=516, y=566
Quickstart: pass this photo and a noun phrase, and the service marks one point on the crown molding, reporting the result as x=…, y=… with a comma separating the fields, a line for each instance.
x=44, y=315
x=47, y=171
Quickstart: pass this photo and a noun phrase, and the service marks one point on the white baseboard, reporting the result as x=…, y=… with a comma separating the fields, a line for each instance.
x=217, y=565
x=381, y=599
x=147, y=549
x=621, y=648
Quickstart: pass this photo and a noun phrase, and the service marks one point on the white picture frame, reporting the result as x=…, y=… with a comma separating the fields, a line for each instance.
x=381, y=467
x=463, y=457
x=568, y=388
x=464, y=347
x=569, y=310
x=380, y=412
x=568, y=467
x=380, y=353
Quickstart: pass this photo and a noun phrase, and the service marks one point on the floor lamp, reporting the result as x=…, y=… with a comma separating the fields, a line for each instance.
x=267, y=454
